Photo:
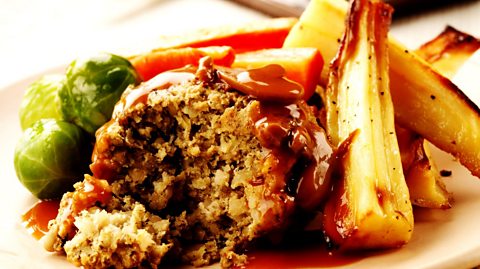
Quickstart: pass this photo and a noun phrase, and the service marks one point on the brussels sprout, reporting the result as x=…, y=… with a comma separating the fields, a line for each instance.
x=92, y=88
x=51, y=156
x=41, y=101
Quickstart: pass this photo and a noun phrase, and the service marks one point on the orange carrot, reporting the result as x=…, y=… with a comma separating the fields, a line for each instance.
x=153, y=63
x=302, y=65
x=261, y=34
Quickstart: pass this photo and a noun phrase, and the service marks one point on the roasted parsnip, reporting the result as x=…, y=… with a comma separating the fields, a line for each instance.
x=370, y=205
x=321, y=25
x=424, y=100
x=447, y=53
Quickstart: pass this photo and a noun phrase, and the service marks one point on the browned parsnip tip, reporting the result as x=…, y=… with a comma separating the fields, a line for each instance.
x=448, y=51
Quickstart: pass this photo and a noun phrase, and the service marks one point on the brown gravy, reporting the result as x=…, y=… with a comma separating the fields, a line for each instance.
x=36, y=218
x=301, y=147
x=315, y=256
x=267, y=83
x=162, y=81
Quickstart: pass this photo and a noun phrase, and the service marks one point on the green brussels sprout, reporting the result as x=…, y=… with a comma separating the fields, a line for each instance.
x=41, y=101
x=51, y=156
x=92, y=88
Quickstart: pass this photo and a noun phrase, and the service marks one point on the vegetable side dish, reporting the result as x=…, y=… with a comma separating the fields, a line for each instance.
x=198, y=150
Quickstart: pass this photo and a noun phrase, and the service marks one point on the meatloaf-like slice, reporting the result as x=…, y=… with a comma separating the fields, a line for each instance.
x=179, y=174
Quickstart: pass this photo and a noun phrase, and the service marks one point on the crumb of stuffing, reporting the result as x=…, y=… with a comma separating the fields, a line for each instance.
x=124, y=239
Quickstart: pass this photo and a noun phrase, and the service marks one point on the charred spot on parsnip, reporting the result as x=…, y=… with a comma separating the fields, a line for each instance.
x=445, y=173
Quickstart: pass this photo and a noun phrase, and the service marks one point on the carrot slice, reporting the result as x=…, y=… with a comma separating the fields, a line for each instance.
x=153, y=63
x=302, y=65
x=261, y=34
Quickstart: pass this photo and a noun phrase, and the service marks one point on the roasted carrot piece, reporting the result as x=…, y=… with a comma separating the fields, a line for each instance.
x=302, y=65
x=261, y=34
x=153, y=63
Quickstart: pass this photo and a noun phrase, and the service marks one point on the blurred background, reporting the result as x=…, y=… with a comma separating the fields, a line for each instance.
x=36, y=35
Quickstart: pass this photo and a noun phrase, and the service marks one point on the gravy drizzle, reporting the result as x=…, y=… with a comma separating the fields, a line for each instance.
x=36, y=218
x=162, y=81
x=301, y=147
x=266, y=83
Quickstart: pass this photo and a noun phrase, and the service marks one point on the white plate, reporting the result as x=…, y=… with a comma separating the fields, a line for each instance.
x=441, y=239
